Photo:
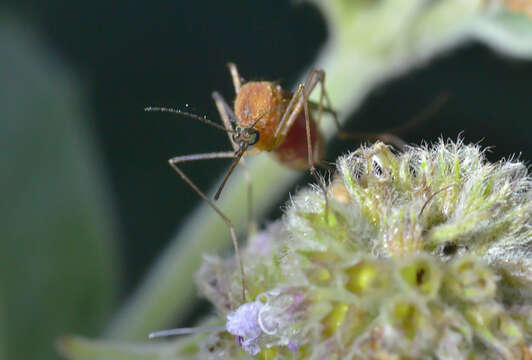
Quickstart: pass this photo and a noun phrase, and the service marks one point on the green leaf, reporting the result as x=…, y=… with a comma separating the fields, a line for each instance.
x=507, y=32
x=179, y=348
x=78, y=348
x=57, y=254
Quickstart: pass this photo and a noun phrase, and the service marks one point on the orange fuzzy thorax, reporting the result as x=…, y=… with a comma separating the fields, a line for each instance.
x=265, y=100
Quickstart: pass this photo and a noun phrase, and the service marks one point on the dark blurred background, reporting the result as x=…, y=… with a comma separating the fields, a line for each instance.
x=126, y=55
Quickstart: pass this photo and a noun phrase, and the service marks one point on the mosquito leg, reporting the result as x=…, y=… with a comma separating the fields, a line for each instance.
x=315, y=77
x=320, y=74
x=297, y=103
x=311, y=156
x=237, y=80
x=225, y=111
x=300, y=102
x=226, y=114
x=181, y=159
x=293, y=109
x=390, y=136
x=309, y=139
x=386, y=137
x=391, y=139
x=204, y=156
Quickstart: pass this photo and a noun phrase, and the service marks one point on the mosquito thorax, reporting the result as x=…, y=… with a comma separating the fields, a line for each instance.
x=262, y=101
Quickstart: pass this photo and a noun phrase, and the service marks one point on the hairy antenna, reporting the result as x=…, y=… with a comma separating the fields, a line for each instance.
x=190, y=115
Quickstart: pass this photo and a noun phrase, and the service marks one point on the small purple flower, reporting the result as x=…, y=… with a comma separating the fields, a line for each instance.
x=261, y=243
x=293, y=346
x=244, y=324
x=239, y=340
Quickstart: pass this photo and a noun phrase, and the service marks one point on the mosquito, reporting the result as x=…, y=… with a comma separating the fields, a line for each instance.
x=268, y=118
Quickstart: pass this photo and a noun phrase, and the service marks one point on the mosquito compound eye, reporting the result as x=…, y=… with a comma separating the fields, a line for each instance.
x=253, y=137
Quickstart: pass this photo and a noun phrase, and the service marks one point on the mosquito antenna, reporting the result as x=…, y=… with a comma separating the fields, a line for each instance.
x=190, y=115
x=233, y=166
x=183, y=331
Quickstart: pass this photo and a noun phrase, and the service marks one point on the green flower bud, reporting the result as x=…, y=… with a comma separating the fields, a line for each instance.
x=422, y=276
x=470, y=281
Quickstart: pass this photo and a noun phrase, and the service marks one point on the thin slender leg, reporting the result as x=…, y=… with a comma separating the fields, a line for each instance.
x=321, y=75
x=300, y=102
x=223, y=108
x=204, y=156
x=229, y=117
x=295, y=106
x=207, y=156
x=426, y=113
x=310, y=153
x=237, y=80
x=238, y=157
x=389, y=136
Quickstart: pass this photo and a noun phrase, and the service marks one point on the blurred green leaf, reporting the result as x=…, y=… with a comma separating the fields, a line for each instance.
x=507, y=32
x=79, y=348
x=3, y=333
x=178, y=348
x=58, y=264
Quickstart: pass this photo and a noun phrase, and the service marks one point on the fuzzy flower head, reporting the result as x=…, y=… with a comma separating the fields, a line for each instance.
x=422, y=254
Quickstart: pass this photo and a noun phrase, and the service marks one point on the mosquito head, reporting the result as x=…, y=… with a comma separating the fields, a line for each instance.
x=245, y=136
